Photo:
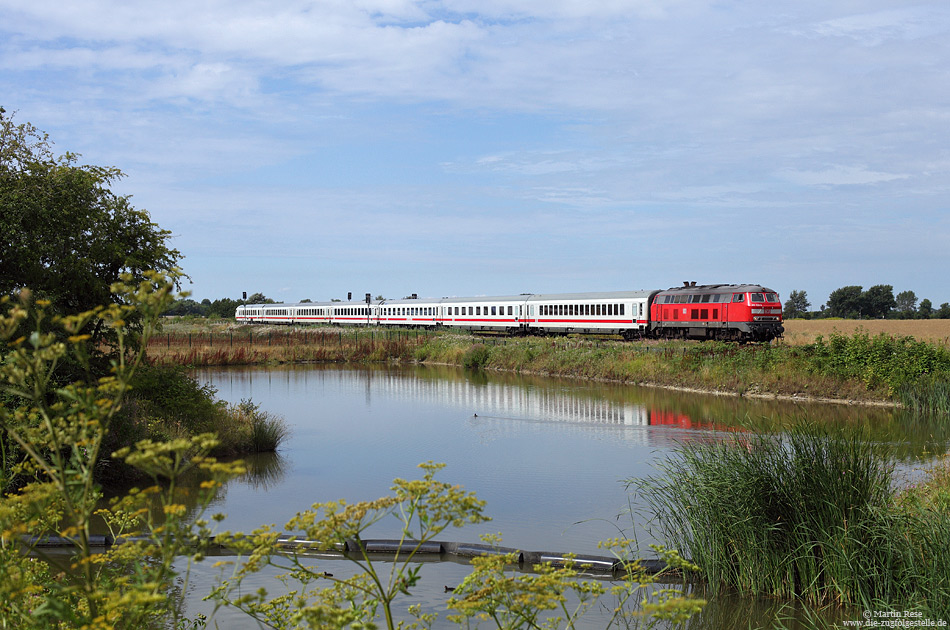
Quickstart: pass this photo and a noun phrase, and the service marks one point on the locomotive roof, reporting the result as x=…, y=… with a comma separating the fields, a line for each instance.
x=720, y=288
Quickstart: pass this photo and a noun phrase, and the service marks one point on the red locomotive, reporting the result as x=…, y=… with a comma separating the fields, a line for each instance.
x=733, y=312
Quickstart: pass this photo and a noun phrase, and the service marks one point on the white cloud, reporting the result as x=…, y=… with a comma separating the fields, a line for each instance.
x=875, y=28
x=839, y=176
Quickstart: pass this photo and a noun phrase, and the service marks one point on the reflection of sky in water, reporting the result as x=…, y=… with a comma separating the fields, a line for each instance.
x=548, y=456
x=550, y=464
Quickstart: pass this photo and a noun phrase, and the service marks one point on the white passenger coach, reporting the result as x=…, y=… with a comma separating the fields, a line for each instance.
x=620, y=312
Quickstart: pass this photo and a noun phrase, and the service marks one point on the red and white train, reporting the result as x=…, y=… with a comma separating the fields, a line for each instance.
x=735, y=312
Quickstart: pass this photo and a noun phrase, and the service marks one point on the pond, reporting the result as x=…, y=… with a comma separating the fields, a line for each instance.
x=548, y=456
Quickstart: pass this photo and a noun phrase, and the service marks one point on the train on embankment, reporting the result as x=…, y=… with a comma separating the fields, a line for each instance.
x=730, y=312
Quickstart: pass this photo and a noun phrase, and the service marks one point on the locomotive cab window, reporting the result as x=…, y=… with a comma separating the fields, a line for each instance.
x=738, y=297
x=757, y=297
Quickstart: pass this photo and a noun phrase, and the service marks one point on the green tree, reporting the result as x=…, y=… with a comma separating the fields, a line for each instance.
x=906, y=304
x=845, y=302
x=258, y=298
x=63, y=232
x=852, y=302
x=223, y=307
x=926, y=309
x=943, y=312
x=184, y=307
x=878, y=301
x=796, y=304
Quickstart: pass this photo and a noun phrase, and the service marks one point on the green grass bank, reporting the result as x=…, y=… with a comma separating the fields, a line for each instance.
x=859, y=367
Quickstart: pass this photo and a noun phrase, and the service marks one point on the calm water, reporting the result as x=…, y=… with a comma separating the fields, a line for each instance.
x=548, y=456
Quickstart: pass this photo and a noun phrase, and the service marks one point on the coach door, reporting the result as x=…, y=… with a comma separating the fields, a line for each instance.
x=524, y=314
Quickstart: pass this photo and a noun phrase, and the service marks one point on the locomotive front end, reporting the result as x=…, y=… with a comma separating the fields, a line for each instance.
x=765, y=310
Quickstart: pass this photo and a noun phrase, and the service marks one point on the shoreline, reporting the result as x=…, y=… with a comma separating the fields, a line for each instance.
x=823, y=374
x=710, y=392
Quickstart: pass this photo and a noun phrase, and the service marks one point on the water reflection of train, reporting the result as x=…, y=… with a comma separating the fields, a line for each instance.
x=739, y=312
x=503, y=408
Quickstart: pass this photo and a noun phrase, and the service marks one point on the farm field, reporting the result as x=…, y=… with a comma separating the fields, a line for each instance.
x=805, y=331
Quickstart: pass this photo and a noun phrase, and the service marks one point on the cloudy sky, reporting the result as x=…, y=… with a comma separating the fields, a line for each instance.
x=476, y=147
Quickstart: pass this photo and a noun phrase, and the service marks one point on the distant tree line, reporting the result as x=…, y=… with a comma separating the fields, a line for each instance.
x=877, y=302
x=223, y=307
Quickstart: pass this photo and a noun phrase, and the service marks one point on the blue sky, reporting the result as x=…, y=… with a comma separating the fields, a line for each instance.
x=477, y=147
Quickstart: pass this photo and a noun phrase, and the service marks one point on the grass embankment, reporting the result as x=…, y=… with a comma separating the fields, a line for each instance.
x=167, y=403
x=808, y=514
x=859, y=367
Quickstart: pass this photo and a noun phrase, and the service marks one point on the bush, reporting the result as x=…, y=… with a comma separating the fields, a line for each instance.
x=174, y=395
x=884, y=361
x=476, y=357
x=245, y=428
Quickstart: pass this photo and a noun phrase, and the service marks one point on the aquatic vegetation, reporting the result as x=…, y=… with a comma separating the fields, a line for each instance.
x=810, y=514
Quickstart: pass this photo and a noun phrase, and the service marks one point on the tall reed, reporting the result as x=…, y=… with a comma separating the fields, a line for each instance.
x=806, y=514
x=927, y=395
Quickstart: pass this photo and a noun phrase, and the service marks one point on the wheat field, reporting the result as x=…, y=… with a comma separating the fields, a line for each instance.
x=804, y=331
